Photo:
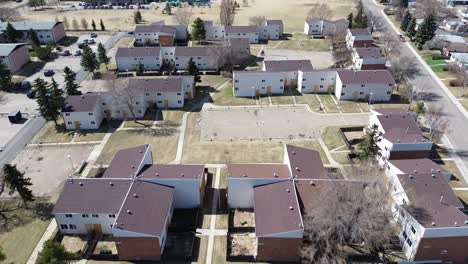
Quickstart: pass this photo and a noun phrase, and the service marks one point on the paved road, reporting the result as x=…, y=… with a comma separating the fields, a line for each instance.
x=17, y=143
x=434, y=93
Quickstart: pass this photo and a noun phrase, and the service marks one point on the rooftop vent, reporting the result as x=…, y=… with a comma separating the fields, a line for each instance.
x=438, y=170
x=129, y=212
x=411, y=176
x=133, y=166
x=141, y=151
x=181, y=175
x=287, y=190
x=312, y=183
x=456, y=223
x=80, y=183
x=157, y=174
x=275, y=175
x=433, y=175
x=433, y=224
x=244, y=175
x=135, y=195
x=294, y=152
x=415, y=171
x=291, y=208
x=297, y=168
x=441, y=198
x=466, y=222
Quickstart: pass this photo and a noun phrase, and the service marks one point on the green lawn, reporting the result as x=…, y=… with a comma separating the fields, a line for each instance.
x=328, y=103
x=310, y=99
x=436, y=65
x=22, y=228
x=202, y=152
x=97, y=135
x=349, y=107
x=226, y=97
x=298, y=41
x=332, y=137
x=163, y=141
x=50, y=133
x=282, y=99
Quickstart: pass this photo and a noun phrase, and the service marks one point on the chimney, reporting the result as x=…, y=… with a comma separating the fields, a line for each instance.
x=291, y=208
x=111, y=184
x=80, y=183
x=129, y=212
x=135, y=195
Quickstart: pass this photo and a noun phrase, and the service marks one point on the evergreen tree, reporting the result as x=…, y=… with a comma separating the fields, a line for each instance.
x=403, y=3
x=43, y=53
x=420, y=108
x=34, y=39
x=368, y=148
x=88, y=60
x=358, y=20
x=140, y=69
x=54, y=252
x=5, y=77
x=193, y=70
x=406, y=21
x=93, y=25
x=102, y=25
x=16, y=182
x=44, y=101
x=137, y=17
x=2, y=255
x=12, y=34
x=71, y=87
x=364, y=22
x=426, y=31
x=168, y=8
x=411, y=29
x=102, y=56
x=198, y=29
x=57, y=100
x=350, y=20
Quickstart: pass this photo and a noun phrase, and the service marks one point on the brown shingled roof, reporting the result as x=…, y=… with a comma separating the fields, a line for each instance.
x=258, y=171
x=305, y=163
x=423, y=166
x=158, y=171
x=287, y=65
x=369, y=53
x=367, y=76
x=192, y=51
x=138, y=51
x=400, y=126
x=126, y=162
x=155, y=28
x=81, y=103
x=276, y=209
x=157, y=84
x=145, y=209
x=92, y=196
x=359, y=31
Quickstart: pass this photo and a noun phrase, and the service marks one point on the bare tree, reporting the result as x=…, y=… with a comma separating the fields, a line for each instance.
x=227, y=12
x=389, y=44
x=183, y=16
x=412, y=91
x=124, y=97
x=337, y=36
x=436, y=121
x=9, y=14
x=423, y=8
x=257, y=20
x=435, y=44
x=75, y=24
x=462, y=76
x=402, y=69
x=342, y=56
x=353, y=215
x=322, y=11
x=375, y=22
x=66, y=24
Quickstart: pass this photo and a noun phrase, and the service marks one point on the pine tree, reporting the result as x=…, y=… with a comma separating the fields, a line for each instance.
x=426, y=31
x=358, y=20
x=140, y=69
x=102, y=56
x=350, y=20
x=71, y=87
x=364, y=22
x=411, y=29
x=44, y=101
x=198, y=29
x=88, y=60
x=93, y=25
x=403, y=3
x=34, y=39
x=5, y=77
x=102, y=25
x=16, y=182
x=12, y=34
x=54, y=252
x=368, y=148
x=168, y=8
x=137, y=17
x=406, y=21
x=193, y=70
x=57, y=99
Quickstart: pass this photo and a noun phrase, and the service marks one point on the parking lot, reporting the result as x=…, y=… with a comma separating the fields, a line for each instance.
x=8, y=130
x=49, y=166
x=100, y=38
x=271, y=122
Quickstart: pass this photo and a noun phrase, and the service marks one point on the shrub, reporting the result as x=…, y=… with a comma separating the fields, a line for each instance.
x=457, y=82
x=440, y=57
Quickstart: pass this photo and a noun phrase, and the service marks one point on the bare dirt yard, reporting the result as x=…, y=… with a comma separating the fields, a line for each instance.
x=292, y=12
x=49, y=166
x=270, y=122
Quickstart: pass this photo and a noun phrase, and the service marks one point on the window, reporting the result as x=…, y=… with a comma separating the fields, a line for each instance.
x=90, y=114
x=63, y=226
x=236, y=81
x=263, y=81
x=139, y=111
x=95, y=215
x=389, y=92
x=179, y=102
x=179, y=93
x=103, y=103
x=322, y=79
x=363, y=85
x=361, y=92
x=409, y=242
x=404, y=235
x=85, y=215
x=281, y=87
x=112, y=216
x=68, y=215
x=344, y=85
x=342, y=93
x=413, y=230
x=321, y=86
x=93, y=123
x=236, y=89
x=72, y=226
x=67, y=114
x=69, y=122
x=177, y=64
x=303, y=87
x=281, y=80
x=159, y=102
x=303, y=80
x=158, y=94
x=137, y=103
x=147, y=94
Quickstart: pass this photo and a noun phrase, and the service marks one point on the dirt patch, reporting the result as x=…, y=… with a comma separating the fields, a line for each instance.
x=73, y=244
x=243, y=218
x=242, y=244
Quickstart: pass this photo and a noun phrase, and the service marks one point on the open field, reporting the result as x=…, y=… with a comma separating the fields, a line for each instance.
x=292, y=13
x=201, y=152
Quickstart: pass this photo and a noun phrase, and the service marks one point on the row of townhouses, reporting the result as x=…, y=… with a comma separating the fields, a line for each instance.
x=87, y=111
x=269, y=30
x=14, y=56
x=318, y=27
x=160, y=34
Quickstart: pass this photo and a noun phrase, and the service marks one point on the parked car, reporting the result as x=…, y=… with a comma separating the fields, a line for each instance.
x=31, y=94
x=93, y=35
x=24, y=85
x=77, y=53
x=91, y=41
x=58, y=48
x=66, y=53
x=401, y=38
x=85, y=41
x=81, y=45
x=49, y=73
x=19, y=1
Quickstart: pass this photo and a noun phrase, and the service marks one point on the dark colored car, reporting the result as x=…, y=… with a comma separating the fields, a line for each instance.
x=81, y=45
x=49, y=73
x=66, y=53
x=93, y=35
x=24, y=85
x=31, y=94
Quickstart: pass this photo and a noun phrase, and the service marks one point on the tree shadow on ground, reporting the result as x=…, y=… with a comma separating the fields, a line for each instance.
x=13, y=213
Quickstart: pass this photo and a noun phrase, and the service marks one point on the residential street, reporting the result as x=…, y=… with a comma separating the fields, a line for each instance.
x=433, y=92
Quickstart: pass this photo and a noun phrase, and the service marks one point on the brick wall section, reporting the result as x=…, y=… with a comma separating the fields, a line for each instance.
x=138, y=248
x=278, y=249
x=433, y=248
x=166, y=41
x=397, y=155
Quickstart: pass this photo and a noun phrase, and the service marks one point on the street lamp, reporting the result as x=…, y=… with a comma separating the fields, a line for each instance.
x=370, y=98
x=71, y=163
x=253, y=92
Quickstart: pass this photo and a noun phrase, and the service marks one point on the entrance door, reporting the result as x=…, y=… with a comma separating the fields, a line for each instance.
x=166, y=104
x=108, y=114
x=367, y=97
x=90, y=228
x=257, y=93
x=292, y=83
x=77, y=125
x=330, y=88
x=356, y=95
x=152, y=104
x=268, y=89
x=189, y=95
x=316, y=88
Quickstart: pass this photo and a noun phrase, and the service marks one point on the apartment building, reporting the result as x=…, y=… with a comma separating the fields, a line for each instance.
x=368, y=85
x=257, y=83
x=270, y=29
x=249, y=32
x=155, y=35
x=206, y=58
x=213, y=32
x=83, y=112
x=14, y=56
x=47, y=32
x=401, y=136
x=239, y=46
x=368, y=58
x=288, y=68
x=359, y=38
x=122, y=204
x=318, y=27
x=319, y=81
x=129, y=59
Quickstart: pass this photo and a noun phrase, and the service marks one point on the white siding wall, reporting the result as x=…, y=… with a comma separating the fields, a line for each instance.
x=252, y=36
x=84, y=118
x=241, y=191
x=214, y=33
x=174, y=100
x=381, y=92
x=167, y=53
x=269, y=32
x=292, y=234
x=45, y=36
x=187, y=191
x=103, y=219
x=202, y=62
x=119, y=109
x=314, y=29
x=181, y=32
x=131, y=63
x=321, y=80
x=244, y=81
x=142, y=38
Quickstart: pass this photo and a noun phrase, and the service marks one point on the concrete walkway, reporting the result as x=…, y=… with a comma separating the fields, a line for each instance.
x=214, y=206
